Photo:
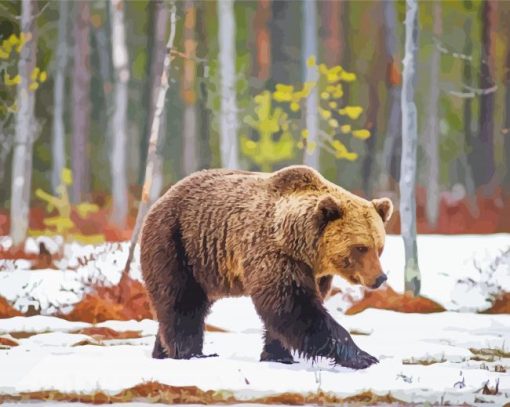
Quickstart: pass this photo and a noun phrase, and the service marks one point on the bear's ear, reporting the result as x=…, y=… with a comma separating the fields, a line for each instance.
x=384, y=208
x=327, y=210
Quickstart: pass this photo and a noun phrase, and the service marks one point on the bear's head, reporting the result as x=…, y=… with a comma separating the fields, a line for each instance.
x=351, y=238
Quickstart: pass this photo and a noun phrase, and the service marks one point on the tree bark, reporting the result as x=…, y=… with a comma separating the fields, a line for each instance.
x=160, y=18
x=331, y=31
x=229, y=149
x=375, y=77
x=310, y=74
x=81, y=102
x=25, y=129
x=484, y=168
x=432, y=126
x=391, y=154
x=119, y=117
x=409, y=147
x=153, y=140
x=58, y=131
x=188, y=92
x=262, y=65
x=506, y=130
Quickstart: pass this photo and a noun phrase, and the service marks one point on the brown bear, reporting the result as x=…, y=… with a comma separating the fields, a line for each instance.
x=279, y=238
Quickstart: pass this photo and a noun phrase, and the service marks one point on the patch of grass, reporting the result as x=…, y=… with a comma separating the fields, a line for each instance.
x=25, y=334
x=356, y=332
x=155, y=392
x=102, y=333
x=423, y=361
x=488, y=354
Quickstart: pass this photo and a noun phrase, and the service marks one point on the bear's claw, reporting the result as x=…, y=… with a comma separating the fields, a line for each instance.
x=353, y=357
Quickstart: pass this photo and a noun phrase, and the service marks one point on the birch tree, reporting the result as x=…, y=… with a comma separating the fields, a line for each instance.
x=392, y=143
x=229, y=149
x=409, y=147
x=25, y=129
x=506, y=130
x=431, y=135
x=58, y=130
x=189, y=97
x=81, y=101
x=153, y=140
x=119, y=117
x=310, y=74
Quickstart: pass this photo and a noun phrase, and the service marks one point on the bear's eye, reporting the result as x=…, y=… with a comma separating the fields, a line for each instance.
x=361, y=249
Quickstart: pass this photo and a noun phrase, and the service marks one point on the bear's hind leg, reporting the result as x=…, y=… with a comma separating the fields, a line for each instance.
x=274, y=351
x=181, y=329
x=159, y=351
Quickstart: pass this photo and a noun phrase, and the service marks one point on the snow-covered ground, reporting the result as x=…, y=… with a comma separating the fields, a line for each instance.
x=459, y=272
x=51, y=360
x=422, y=357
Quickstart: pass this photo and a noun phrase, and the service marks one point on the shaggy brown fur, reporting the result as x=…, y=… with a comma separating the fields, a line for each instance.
x=277, y=237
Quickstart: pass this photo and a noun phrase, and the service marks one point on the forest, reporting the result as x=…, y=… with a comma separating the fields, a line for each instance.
x=105, y=104
x=304, y=82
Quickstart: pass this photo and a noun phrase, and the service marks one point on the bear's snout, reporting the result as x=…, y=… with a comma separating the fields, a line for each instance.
x=379, y=280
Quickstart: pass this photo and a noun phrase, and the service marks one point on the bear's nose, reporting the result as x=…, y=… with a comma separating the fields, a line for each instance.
x=381, y=279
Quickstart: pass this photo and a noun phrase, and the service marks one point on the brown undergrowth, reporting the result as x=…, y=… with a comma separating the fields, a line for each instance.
x=155, y=392
x=500, y=304
x=7, y=310
x=124, y=301
x=386, y=298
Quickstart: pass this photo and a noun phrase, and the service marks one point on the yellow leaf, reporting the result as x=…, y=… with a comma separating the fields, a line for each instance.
x=15, y=80
x=67, y=176
x=280, y=87
x=326, y=114
x=347, y=76
x=333, y=105
x=33, y=86
x=294, y=106
x=325, y=95
x=333, y=123
x=346, y=128
x=310, y=61
x=3, y=54
x=85, y=208
x=300, y=145
x=13, y=39
x=305, y=133
x=43, y=76
x=35, y=73
x=352, y=112
x=361, y=134
x=282, y=96
x=310, y=147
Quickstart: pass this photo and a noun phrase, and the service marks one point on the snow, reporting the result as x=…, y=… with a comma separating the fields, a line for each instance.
x=459, y=272
x=50, y=361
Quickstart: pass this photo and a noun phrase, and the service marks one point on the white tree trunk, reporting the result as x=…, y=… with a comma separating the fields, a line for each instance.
x=409, y=147
x=227, y=62
x=310, y=74
x=190, y=142
x=119, y=117
x=152, y=156
x=58, y=131
x=25, y=131
x=432, y=127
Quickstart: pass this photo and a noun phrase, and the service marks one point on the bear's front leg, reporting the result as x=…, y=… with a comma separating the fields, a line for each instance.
x=290, y=305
